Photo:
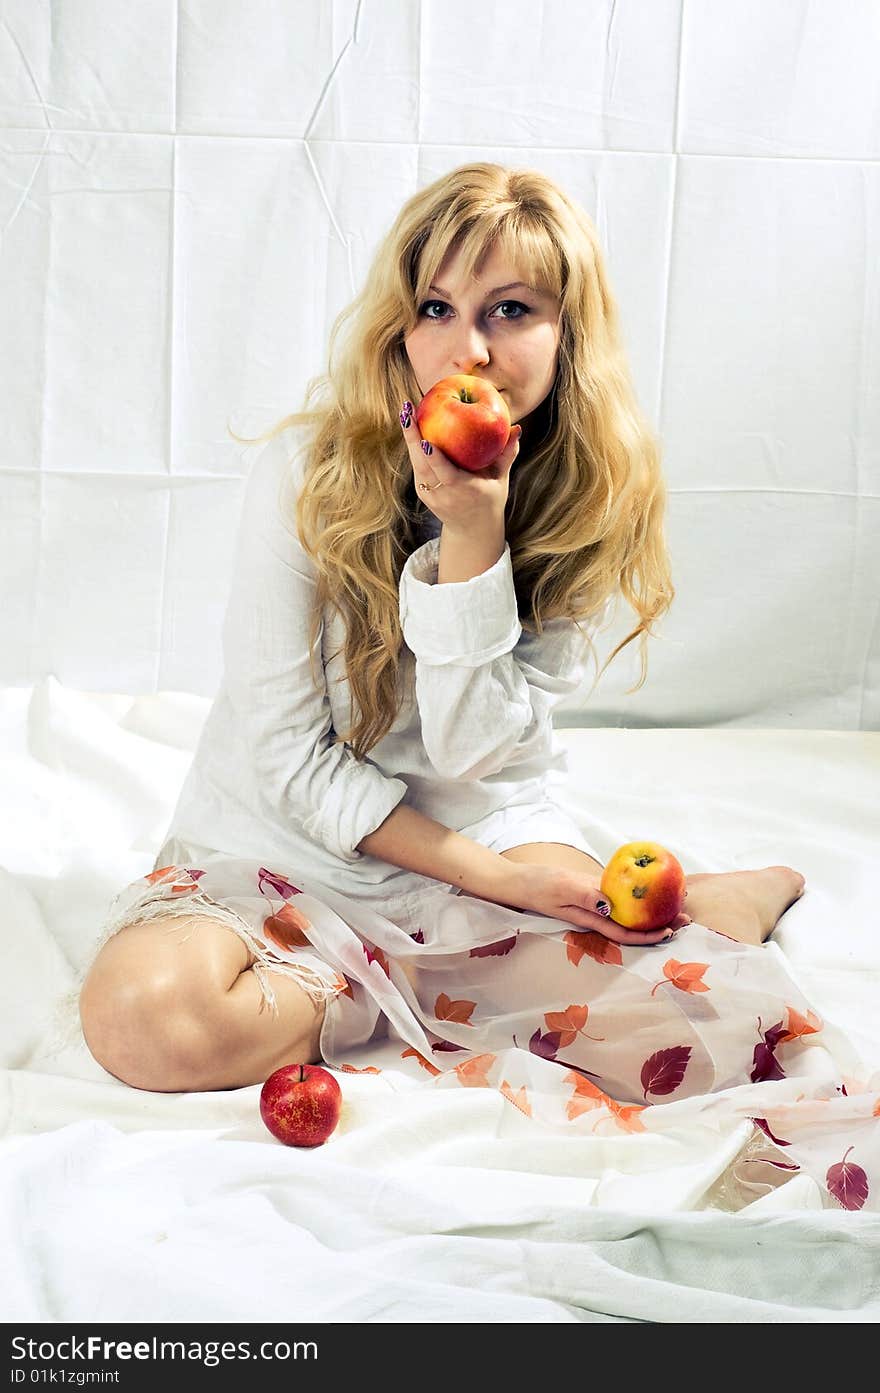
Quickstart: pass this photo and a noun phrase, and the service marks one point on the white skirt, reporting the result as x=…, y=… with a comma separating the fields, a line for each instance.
x=580, y=1034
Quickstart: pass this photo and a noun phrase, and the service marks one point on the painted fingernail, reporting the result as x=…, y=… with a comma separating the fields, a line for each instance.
x=405, y=419
x=427, y=447
x=603, y=907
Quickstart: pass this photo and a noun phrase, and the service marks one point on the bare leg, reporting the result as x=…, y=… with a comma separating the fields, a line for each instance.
x=744, y=905
x=262, y=1041
x=173, y=1006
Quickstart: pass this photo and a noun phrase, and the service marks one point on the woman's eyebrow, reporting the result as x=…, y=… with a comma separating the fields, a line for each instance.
x=511, y=285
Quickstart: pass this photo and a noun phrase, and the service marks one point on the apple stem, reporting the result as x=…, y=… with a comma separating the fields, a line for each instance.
x=302, y=1073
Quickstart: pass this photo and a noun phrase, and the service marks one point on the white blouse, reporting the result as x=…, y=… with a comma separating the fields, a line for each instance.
x=476, y=750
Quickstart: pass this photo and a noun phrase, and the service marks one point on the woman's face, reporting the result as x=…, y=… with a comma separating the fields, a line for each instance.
x=507, y=334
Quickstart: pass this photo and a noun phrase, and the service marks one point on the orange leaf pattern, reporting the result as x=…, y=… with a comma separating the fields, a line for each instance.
x=688, y=977
x=153, y=877
x=495, y=950
x=797, y=1026
x=587, y=1096
x=458, y=1011
x=474, y=1073
x=413, y=1053
x=595, y=945
x=519, y=1100
x=175, y=880
x=287, y=928
x=568, y=1024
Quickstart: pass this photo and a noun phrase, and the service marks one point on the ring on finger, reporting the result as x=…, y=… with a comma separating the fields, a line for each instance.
x=428, y=488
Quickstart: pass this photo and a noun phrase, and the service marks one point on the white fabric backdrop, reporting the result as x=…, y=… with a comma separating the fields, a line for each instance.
x=190, y=190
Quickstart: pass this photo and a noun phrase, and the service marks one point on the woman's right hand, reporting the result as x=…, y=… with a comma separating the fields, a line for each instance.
x=574, y=897
x=470, y=498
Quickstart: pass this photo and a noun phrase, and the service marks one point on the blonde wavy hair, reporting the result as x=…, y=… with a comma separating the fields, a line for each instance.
x=585, y=509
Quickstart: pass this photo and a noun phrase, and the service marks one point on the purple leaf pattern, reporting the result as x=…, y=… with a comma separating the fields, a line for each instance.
x=278, y=883
x=765, y=1065
x=762, y=1123
x=848, y=1183
x=374, y=954
x=664, y=1070
x=577, y=1069
x=547, y=1045
x=765, y=1161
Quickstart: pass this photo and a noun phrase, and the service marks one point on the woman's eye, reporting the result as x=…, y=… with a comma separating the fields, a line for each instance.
x=523, y=310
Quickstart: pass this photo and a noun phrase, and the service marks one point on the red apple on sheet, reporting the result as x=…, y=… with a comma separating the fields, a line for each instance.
x=644, y=885
x=300, y=1104
x=466, y=418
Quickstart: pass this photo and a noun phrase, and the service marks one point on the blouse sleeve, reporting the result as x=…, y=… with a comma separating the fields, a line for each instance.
x=485, y=690
x=304, y=778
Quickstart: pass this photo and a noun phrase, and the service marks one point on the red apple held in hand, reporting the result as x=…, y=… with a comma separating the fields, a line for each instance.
x=300, y=1104
x=466, y=418
x=645, y=886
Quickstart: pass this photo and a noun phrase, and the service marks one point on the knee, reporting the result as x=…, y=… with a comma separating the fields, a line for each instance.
x=143, y=1031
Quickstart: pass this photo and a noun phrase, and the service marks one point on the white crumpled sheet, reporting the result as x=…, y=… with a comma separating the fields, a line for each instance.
x=440, y=1205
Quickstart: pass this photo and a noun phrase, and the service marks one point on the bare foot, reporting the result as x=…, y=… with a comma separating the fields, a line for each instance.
x=744, y=905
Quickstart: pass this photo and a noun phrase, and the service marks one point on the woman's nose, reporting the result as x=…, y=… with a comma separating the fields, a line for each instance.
x=470, y=350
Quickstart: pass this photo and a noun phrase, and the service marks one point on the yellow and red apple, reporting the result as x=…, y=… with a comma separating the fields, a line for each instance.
x=466, y=418
x=644, y=885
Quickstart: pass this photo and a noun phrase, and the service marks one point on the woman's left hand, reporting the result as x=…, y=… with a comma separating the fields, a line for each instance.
x=467, y=499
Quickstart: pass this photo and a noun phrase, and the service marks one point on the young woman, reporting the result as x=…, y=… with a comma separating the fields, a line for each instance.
x=366, y=860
